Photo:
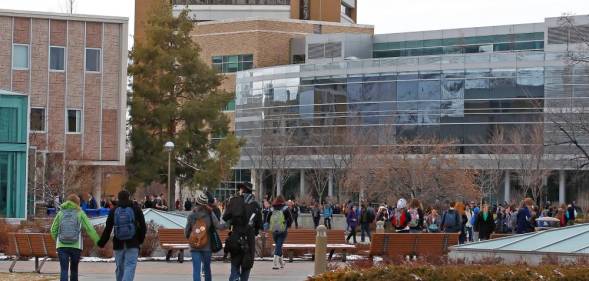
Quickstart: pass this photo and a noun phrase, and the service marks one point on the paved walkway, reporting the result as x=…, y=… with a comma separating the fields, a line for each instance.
x=173, y=271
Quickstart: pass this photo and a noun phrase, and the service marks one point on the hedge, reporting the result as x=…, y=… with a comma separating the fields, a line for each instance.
x=457, y=273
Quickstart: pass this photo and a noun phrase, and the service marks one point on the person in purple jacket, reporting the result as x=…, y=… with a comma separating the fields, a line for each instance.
x=352, y=220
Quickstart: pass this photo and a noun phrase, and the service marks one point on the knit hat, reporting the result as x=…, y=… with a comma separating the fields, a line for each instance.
x=402, y=203
x=202, y=199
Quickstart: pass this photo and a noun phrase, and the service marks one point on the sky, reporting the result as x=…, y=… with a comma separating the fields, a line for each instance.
x=388, y=16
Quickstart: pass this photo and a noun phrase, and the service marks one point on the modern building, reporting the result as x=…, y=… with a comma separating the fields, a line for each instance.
x=457, y=84
x=73, y=71
x=341, y=11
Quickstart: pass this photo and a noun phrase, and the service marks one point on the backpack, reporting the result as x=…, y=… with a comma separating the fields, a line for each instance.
x=70, y=227
x=124, y=223
x=414, y=222
x=199, y=234
x=450, y=221
x=277, y=222
x=400, y=219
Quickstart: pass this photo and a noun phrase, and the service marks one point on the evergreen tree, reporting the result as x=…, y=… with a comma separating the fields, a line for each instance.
x=176, y=97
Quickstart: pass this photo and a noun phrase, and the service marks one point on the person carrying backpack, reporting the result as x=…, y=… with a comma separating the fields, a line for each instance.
x=401, y=217
x=366, y=218
x=327, y=215
x=417, y=216
x=245, y=217
x=279, y=220
x=66, y=230
x=352, y=220
x=200, y=223
x=129, y=227
x=451, y=220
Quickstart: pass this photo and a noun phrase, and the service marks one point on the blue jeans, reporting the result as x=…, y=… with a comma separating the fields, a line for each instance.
x=279, y=238
x=239, y=274
x=201, y=259
x=126, y=262
x=364, y=230
x=69, y=258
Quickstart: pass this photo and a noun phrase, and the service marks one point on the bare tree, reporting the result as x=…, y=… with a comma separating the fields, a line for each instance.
x=492, y=175
x=70, y=6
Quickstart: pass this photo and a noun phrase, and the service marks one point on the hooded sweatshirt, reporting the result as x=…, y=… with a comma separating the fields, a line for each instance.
x=84, y=223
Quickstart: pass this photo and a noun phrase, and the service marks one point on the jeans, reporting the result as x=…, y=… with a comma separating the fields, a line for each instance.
x=352, y=234
x=201, y=259
x=470, y=237
x=239, y=274
x=126, y=262
x=327, y=222
x=316, y=221
x=364, y=229
x=279, y=238
x=69, y=258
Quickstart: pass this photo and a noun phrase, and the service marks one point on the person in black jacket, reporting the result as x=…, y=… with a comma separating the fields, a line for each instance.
x=243, y=214
x=126, y=251
x=484, y=223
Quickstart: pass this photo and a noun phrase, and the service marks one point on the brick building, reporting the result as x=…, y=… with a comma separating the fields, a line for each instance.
x=73, y=69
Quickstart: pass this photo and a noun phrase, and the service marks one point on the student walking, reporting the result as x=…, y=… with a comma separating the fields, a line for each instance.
x=352, y=220
x=245, y=217
x=451, y=220
x=484, y=223
x=327, y=215
x=129, y=227
x=199, y=225
x=66, y=230
x=279, y=221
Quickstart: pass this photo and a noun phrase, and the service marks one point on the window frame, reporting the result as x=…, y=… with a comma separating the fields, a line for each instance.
x=99, y=60
x=64, y=59
x=44, y=119
x=79, y=128
x=28, y=56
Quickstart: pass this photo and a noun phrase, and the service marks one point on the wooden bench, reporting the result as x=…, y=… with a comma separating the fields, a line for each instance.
x=500, y=235
x=303, y=240
x=174, y=240
x=394, y=245
x=31, y=245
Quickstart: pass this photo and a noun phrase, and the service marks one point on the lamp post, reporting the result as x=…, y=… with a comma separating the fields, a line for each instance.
x=169, y=147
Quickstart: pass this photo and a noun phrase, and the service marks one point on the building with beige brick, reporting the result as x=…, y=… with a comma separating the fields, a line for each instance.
x=73, y=69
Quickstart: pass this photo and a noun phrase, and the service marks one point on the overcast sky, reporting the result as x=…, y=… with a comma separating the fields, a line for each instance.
x=386, y=15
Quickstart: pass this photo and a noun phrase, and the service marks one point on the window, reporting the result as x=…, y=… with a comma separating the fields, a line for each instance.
x=93, y=60
x=74, y=121
x=229, y=64
x=20, y=56
x=38, y=119
x=57, y=58
x=230, y=106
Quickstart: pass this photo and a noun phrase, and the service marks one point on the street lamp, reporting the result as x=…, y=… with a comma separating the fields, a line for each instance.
x=169, y=147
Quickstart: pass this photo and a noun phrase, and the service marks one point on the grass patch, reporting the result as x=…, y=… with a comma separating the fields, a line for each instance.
x=27, y=277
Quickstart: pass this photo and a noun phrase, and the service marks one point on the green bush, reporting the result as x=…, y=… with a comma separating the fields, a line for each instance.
x=457, y=273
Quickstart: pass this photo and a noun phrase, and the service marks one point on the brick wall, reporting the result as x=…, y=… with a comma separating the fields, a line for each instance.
x=5, y=52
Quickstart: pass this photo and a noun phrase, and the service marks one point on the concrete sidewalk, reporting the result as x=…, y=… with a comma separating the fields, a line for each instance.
x=173, y=271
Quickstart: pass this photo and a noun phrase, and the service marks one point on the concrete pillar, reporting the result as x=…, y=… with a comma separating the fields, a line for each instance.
x=278, y=182
x=320, y=250
x=507, y=187
x=561, y=186
x=97, y=190
x=302, y=185
x=330, y=186
x=254, y=181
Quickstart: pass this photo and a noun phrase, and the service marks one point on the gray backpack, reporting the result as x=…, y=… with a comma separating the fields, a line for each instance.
x=69, y=227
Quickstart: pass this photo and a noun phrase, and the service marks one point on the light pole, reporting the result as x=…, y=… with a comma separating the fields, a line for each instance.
x=169, y=147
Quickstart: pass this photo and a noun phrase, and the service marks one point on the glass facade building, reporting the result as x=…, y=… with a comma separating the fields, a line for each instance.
x=13, y=154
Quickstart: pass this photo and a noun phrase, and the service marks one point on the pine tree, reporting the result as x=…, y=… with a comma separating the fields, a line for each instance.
x=176, y=97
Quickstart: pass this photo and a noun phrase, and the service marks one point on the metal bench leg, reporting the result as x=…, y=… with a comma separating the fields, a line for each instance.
x=344, y=256
x=37, y=264
x=331, y=254
x=11, y=269
x=168, y=255
x=41, y=265
x=181, y=256
x=291, y=256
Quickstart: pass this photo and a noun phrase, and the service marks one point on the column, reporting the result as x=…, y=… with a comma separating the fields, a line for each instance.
x=561, y=186
x=302, y=185
x=254, y=182
x=507, y=187
x=330, y=186
x=278, y=182
x=97, y=190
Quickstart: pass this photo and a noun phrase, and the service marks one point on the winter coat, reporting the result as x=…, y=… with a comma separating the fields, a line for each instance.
x=237, y=215
x=451, y=228
x=352, y=219
x=285, y=211
x=484, y=227
x=84, y=222
x=366, y=216
x=201, y=213
x=140, y=228
x=327, y=212
x=523, y=221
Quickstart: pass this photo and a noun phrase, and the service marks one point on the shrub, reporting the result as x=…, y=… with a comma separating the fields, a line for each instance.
x=151, y=241
x=456, y=273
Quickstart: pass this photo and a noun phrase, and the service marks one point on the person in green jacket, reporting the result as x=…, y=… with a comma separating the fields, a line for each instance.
x=66, y=230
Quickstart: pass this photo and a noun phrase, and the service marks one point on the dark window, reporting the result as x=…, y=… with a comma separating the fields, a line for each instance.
x=93, y=60
x=74, y=121
x=38, y=119
x=57, y=58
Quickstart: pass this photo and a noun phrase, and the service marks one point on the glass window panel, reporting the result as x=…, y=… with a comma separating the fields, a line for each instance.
x=486, y=48
x=476, y=89
x=503, y=47
x=452, y=41
x=453, y=74
x=503, y=38
x=394, y=45
x=525, y=46
x=478, y=73
x=217, y=59
x=74, y=121
x=380, y=46
x=432, y=43
x=429, y=105
x=56, y=58
x=413, y=44
x=407, y=95
x=476, y=58
x=93, y=60
x=37, y=119
x=20, y=57
x=453, y=50
x=432, y=51
x=471, y=49
x=452, y=104
x=529, y=36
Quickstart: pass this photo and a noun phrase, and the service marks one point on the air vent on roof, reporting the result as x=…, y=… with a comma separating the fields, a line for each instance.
x=325, y=50
x=568, y=34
